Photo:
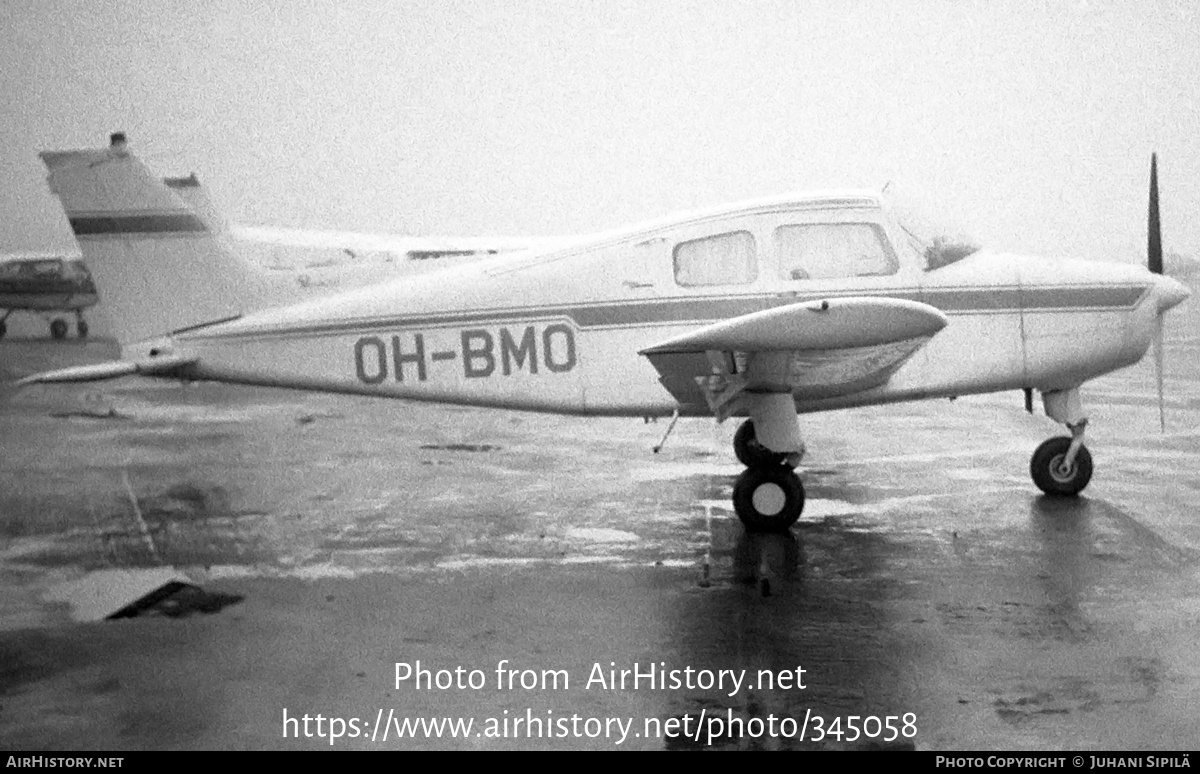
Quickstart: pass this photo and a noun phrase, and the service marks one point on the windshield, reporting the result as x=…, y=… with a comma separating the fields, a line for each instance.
x=940, y=240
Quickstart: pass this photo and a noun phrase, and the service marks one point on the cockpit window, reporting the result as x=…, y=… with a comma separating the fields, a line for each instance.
x=724, y=259
x=833, y=250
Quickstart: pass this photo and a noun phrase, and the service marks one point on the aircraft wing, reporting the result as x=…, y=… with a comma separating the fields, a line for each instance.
x=813, y=349
x=164, y=365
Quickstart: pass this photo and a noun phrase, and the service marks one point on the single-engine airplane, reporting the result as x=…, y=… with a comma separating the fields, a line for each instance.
x=44, y=284
x=761, y=310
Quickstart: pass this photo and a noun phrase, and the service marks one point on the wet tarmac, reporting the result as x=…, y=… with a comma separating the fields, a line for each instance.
x=928, y=587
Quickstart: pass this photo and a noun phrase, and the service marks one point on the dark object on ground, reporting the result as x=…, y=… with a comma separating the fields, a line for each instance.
x=176, y=599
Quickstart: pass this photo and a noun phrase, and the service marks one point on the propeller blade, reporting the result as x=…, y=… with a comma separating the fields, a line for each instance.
x=1154, y=256
x=1154, y=262
x=1158, y=369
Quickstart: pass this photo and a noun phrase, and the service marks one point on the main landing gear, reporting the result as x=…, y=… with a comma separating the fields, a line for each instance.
x=768, y=496
x=1063, y=466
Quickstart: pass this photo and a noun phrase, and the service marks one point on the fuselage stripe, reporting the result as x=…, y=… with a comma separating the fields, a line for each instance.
x=704, y=310
x=114, y=225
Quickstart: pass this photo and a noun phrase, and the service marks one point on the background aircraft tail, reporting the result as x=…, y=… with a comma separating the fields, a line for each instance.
x=196, y=196
x=159, y=265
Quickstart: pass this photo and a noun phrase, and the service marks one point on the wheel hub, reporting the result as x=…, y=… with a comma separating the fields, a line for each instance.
x=1060, y=471
x=769, y=499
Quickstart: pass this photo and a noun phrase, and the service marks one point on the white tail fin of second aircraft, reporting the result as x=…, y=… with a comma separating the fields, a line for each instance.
x=196, y=196
x=158, y=266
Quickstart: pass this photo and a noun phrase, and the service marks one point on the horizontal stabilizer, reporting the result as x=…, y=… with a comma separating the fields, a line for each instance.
x=836, y=323
x=114, y=369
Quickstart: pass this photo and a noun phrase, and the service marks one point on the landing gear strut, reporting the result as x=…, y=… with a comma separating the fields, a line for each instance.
x=81, y=326
x=1063, y=466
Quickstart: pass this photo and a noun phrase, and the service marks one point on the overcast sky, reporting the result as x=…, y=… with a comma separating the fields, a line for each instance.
x=1031, y=123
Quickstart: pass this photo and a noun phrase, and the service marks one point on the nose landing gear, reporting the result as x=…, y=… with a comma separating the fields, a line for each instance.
x=1063, y=466
x=1056, y=474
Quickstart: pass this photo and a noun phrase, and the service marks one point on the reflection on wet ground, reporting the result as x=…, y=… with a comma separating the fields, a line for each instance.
x=925, y=577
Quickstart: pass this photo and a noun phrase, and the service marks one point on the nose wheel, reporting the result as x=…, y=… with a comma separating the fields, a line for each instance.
x=1063, y=466
x=1055, y=472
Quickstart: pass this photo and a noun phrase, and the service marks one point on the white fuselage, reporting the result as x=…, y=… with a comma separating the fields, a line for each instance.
x=560, y=330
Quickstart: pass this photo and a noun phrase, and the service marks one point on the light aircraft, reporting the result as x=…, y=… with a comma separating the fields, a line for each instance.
x=761, y=310
x=44, y=284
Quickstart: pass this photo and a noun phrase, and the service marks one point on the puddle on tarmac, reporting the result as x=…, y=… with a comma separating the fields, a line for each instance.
x=600, y=535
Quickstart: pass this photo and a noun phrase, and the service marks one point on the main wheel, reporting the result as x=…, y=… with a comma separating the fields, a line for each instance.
x=58, y=329
x=3, y=328
x=1046, y=468
x=768, y=499
x=750, y=452
x=82, y=328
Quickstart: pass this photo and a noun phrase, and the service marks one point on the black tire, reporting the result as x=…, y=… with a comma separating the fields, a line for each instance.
x=82, y=329
x=750, y=452
x=58, y=329
x=768, y=499
x=3, y=328
x=1045, y=463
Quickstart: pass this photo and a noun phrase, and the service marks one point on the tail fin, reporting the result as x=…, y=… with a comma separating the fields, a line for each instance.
x=159, y=266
